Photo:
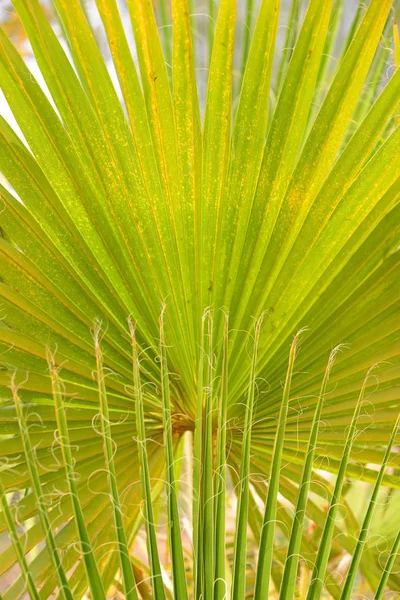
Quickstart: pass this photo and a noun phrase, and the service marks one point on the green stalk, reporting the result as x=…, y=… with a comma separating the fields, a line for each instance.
x=240, y=545
x=207, y=501
x=178, y=565
x=388, y=567
x=151, y=539
x=62, y=581
x=220, y=585
x=288, y=585
x=30, y=585
x=362, y=538
x=318, y=575
x=197, y=454
x=264, y=566
x=95, y=584
x=123, y=550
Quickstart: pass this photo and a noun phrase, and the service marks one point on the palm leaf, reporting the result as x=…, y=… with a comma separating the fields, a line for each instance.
x=119, y=199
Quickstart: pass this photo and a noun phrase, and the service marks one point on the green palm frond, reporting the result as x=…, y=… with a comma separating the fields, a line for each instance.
x=146, y=234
